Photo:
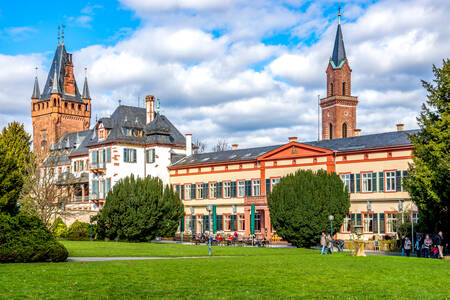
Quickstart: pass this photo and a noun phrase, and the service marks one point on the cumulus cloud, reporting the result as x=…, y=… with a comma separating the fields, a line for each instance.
x=218, y=77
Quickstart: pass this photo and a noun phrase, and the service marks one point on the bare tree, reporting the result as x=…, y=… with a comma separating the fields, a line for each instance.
x=221, y=146
x=199, y=146
x=45, y=192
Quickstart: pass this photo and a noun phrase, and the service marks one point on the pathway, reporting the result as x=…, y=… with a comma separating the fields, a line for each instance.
x=85, y=259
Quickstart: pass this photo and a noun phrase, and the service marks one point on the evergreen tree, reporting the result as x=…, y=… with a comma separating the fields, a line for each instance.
x=18, y=142
x=140, y=210
x=428, y=182
x=11, y=182
x=301, y=203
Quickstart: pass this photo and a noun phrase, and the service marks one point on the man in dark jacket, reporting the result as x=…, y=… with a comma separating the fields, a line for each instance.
x=440, y=242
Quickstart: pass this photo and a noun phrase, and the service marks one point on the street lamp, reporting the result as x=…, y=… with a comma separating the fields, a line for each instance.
x=331, y=218
x=209, y=208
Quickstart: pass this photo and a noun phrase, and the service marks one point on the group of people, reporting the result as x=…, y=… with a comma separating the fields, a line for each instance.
x=425, y=246
x=326, y=242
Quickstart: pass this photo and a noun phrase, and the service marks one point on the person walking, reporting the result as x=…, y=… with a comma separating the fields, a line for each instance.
x=440, y=241
x=329, y=244
x=323, y=243
x=403, y=245
x=427, y=242
x=407, y=246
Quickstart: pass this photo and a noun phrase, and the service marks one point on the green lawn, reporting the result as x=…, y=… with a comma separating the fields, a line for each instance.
x=257, y=273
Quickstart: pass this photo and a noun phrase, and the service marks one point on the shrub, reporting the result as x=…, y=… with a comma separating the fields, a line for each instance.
x=59, y=228
x=24, y=238
x=79, y=231
x=301, y=203
x=140, y=210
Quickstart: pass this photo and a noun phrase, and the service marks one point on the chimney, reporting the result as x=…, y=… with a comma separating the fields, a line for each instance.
x=234, y=147
x=400, y=127
x=150, y=108
x=188, y=144
x=292, y=139
x=357, y=132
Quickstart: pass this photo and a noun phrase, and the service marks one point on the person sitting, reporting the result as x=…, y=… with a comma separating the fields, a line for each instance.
x=340, y=244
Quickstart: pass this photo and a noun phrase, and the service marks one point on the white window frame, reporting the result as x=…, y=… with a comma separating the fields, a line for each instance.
x=366, y=179
x=227, y=189
x=390, y=219
x=241, y=188
x=256, y=187
x=188, y=191
x=347, y=223
x=390, y=181
x=199, y=191
x=212, y=190
x=367, y=217
x=227, y=222
x=241, y=221
x=274, y=182
x=346, y=179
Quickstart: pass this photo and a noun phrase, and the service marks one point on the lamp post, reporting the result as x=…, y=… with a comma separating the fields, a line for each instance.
x=209, y=208
x=331, y=218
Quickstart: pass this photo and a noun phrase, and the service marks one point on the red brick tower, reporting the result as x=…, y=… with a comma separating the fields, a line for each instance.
x=339, y=107
x=60, y=108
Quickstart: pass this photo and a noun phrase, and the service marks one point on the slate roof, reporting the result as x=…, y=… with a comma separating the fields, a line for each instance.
x=58, y=70
x=36, y=92
x=371, y=141
x=86, y=94
x=338, y=55
x=160, y=131
x=69, y=144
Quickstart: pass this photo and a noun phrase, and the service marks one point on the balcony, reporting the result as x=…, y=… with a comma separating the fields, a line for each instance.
x=257, y=200
x=98, y=168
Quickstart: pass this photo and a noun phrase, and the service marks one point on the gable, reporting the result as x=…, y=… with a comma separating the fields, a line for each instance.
x=295, y=150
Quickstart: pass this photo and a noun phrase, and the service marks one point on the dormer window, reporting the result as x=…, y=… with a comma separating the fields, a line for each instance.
x=102, y=132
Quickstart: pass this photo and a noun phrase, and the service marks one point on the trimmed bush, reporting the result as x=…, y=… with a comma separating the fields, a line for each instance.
x=78, y=231
x=24, y=238
x=59, y=228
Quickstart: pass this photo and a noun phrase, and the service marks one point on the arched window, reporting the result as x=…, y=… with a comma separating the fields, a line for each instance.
x=54, y=102
x=343, y=88
x=344, y=130
x=331, y=89
x=331, y=131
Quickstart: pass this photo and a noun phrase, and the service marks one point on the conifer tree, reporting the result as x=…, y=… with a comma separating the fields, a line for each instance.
x=428, y=182
x=301, y=203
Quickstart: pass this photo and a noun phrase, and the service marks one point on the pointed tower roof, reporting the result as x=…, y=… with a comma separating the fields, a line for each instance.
x=86, y=94
x=338, y=56
x=58, y=70
x=55, y=85
x=36, y=92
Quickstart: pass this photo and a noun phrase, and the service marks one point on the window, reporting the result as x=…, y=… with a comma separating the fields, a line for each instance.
x=347, y=224
x=108, y=185
x=258, y=221
x=367, y=182
x=188, y=192
x=390, y=181
x=391, y=220
x=274, y=182
x=227, y=222
x=343, y=88
x=330, y=134
x=415, y=217
x=368, y=222
x=200, y=192
x=74, y=166
x=128, y=132
x=241, y=223
x=129, y=155
x=150, y=156
x=227, y=189
x=219, y=222
x=241, y=189
x=108, y=155
x=332, y=89
x=212, y=190
x=101, y=192
x=190, y=224
x=346, y=179
x=344, y=130
x=206, y=223
x=256, y=187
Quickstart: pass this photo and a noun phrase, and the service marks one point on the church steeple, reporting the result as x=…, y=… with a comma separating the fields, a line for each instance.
x=338, y=56
x=36, y=92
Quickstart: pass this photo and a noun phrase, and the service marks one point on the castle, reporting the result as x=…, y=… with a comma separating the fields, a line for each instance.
x=231, y=185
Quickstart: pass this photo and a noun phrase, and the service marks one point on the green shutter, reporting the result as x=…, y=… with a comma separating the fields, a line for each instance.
x=358, y=183
x=182, y=191
x=358, y=219
x=205, y=190
x=108, y=185
x=153, y=155
x=382, y=224
x=219, y=190
x=248, y=188
x=193, y=191
x=108, y=155
x=219, y=222
x=182, y=225
x=233, y=189
x=352, y=183
x=214, y=219
x=125, y=155
x=398, y=181
x=405, y=174
x=267, y=187
x=252, y=220
x=375, y=223
x=374, y=182
x=134, y=155
x=380, y=181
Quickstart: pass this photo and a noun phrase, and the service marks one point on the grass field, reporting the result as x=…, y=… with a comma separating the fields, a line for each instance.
x=250, y=273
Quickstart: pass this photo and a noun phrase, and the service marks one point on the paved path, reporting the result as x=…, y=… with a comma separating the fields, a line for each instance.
x=84, y=259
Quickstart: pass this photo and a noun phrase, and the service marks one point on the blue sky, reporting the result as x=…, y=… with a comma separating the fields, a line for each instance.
x=245, y=71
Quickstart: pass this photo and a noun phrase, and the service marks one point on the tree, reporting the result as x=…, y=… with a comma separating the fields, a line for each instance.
x=221, y=146
x=18, y=142
x=140, y=210
x=199, y=146
x=428, y=181
x=301, y=203
x=11, y=182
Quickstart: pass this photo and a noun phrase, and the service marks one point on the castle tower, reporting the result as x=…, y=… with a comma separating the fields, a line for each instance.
x=60, y=108
x=339, y=107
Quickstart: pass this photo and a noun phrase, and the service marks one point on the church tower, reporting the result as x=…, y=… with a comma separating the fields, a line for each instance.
x=60, y=108
x=339, y=107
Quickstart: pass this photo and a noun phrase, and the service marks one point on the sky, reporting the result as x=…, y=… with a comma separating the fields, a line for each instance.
x=248, y=72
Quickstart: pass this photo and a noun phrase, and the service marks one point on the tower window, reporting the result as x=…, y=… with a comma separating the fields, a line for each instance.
x=54, y=102
x=331, y=131
x=343, y=88
x=331, y=88
x=65, y=104
x=73, y=106
x=344, y=130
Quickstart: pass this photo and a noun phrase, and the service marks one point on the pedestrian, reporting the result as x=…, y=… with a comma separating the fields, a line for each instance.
x=329, y=244
x=427, y=242
x=323, y=243
x=403, y=245
x=407, y=246
x=417, y=246
x=441, y=243
x=434, y=253
x=340, y=245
